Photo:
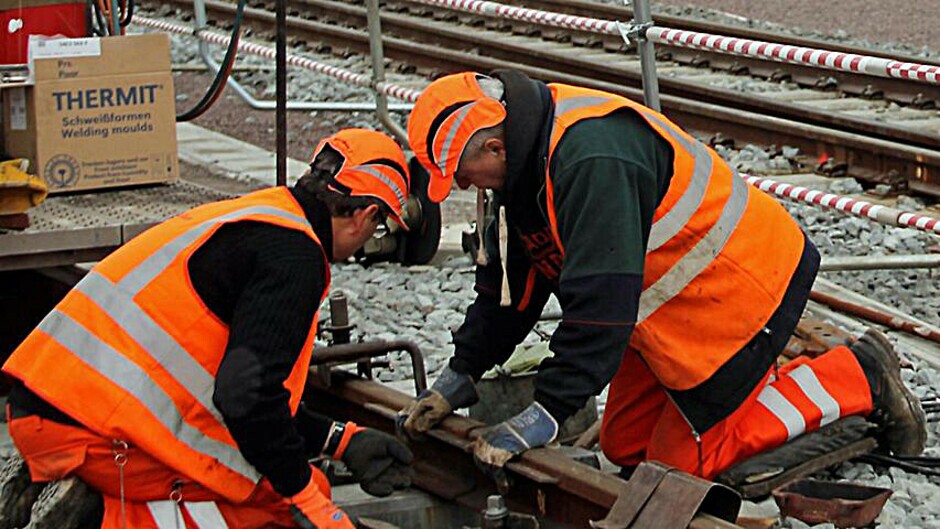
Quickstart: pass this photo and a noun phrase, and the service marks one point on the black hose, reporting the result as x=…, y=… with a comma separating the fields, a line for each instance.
x=96, y=19
x=128, y=14
x=926, y=466
x=221, y=77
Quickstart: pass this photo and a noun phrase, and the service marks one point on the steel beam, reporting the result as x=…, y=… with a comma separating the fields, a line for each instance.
x=545, y=483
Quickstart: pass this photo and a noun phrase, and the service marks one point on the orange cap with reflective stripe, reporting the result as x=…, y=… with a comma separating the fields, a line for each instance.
x=447, y=114
x=373, y=166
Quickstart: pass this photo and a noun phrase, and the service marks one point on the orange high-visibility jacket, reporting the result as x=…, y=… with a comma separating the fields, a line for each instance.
x=132, y=352
x=720, y=254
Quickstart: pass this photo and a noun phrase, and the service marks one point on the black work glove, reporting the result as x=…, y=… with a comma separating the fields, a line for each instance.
x=379, y=462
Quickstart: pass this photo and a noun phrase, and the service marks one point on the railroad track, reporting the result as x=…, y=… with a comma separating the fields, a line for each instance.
x=917, y=95
x=607, y=58
x=425, y=40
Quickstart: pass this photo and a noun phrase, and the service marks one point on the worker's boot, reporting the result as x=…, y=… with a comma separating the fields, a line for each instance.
x=17, y=493
x=903, y=426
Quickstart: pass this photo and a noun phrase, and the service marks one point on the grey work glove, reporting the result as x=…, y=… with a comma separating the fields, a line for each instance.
x=450, y=391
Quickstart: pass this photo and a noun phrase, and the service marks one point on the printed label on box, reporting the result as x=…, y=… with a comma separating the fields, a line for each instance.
x=43, y=47
x=18, y=108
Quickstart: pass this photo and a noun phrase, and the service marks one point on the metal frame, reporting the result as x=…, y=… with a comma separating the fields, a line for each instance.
x=378, y=71
x=200, y=23
x=643, y=20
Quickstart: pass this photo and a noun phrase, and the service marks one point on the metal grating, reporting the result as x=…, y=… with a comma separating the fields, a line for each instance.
x=76, y=228
x=111, y=208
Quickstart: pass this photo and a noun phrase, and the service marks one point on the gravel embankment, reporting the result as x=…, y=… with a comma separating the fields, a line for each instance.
x=425, y=303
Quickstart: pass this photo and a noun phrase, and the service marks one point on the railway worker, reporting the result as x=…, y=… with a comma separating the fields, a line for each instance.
x=679, y=284
x=173, y=372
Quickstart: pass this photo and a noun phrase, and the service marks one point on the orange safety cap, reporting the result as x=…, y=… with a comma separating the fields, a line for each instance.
x=373, y=166
x=447, y=114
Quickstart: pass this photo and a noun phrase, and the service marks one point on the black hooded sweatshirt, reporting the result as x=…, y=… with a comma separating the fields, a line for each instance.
x=265, y=282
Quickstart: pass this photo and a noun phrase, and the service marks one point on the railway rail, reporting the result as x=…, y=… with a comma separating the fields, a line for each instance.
x=545, y=483
x=427, y=40
x=865, y=86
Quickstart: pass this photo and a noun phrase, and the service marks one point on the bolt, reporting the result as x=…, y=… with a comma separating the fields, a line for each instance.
x=496, y=514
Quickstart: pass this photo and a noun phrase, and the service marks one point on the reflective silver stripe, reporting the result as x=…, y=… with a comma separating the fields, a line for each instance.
x=696, y=260
x=679, y=215
x=374, y=170
x=445, y=149
x=153, y=265
x=122, y=309
x=577, y=102
x=166, y=514
x=806, y=378
x=127, y=375
x=787, y=413
x=206, y=514
x=699, y=257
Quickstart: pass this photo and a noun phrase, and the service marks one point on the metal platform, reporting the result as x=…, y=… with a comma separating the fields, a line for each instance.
x=80, y=228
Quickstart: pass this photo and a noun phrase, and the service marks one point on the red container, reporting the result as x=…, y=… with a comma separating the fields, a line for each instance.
x=22, y=18
x=844, y=504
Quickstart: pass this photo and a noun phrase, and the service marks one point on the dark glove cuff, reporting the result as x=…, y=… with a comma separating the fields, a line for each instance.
x=457, y=389
x=339, y=437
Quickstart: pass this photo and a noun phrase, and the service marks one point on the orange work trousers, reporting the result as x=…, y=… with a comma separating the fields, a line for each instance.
x=641, y=423
x=155, y=496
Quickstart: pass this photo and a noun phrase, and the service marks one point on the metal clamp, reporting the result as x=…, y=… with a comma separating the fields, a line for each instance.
x=632, y=31
x=661, y=496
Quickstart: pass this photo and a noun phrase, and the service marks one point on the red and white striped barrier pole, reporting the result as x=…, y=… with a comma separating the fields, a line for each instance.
x=833, y=60
x=399, y=92
x=529, y=15
x=859, y=208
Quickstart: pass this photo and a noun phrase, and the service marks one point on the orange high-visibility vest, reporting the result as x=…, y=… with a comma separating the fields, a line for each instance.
x=132, y=351
x=720, y=254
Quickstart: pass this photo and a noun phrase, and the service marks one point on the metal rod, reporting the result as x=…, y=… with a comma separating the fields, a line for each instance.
x=643, y=19
x=883, y=262
x=378, y=71
x=352, y=352
x=876, y=316
x=115, y=18
x=281, y=89
x=326, y=106
x=199, y=7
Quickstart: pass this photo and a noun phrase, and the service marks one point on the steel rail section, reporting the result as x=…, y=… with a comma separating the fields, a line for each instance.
x=604, y=66
x=867, y=158
x=894, y=90
x=599, y=27
x=877, y=212
x=545, y=483
x=591, y=9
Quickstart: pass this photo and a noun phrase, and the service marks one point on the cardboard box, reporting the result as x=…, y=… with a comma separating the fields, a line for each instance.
x=100, y=112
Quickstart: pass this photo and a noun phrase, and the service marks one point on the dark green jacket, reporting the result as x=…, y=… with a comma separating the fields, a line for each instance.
x=609, y=175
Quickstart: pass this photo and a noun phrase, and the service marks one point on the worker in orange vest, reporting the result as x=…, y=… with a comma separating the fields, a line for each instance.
x=679, y=284
x=170, y=377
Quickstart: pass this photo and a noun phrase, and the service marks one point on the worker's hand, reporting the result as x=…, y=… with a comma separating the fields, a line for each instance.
x=531, y=428
x=311, y=509
x=450, y=391
x=379, y=462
